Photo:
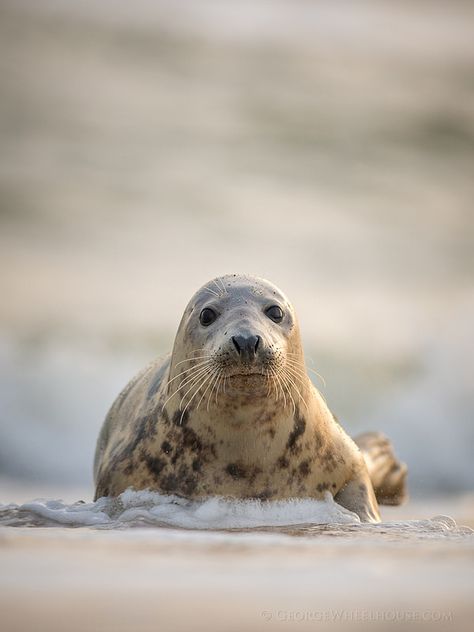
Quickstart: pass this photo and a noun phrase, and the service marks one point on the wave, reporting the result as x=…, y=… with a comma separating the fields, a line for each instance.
x=133, y=508
x=291, y=517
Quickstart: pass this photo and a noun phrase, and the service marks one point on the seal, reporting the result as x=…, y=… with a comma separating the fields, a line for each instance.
x=232, y=412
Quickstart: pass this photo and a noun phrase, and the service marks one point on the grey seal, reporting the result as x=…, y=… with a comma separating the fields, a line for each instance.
x=232, y=412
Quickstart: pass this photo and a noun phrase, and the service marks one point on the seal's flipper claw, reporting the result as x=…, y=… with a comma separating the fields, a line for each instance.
x=387, y=473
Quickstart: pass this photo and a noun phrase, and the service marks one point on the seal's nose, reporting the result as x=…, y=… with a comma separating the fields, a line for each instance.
x=246, y=346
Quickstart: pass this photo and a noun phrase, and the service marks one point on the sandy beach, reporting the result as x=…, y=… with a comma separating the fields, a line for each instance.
x=310, y=577
x=147, y=580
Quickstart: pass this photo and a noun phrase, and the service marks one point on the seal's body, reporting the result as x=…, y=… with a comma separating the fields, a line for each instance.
x=232, y=412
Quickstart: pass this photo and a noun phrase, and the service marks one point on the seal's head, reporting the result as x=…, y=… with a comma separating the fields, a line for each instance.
x=239, y=333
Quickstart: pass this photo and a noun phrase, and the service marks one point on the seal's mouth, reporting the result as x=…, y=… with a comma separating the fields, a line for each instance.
x=252, y=382
x=249, y=374
x=257, y=371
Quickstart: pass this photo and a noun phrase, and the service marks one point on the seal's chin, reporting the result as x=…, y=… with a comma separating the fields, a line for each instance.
x=248, y=380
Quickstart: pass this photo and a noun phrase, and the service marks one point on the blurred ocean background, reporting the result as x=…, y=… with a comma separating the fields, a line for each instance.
x=147, y=147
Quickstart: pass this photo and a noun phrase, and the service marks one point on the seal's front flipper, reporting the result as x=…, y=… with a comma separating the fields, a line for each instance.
x=387, y=473
x=358, y=496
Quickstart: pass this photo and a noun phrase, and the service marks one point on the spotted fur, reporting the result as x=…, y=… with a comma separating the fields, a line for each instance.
x=208, y=420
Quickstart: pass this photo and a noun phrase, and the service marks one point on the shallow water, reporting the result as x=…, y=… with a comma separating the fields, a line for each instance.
x=302, y=517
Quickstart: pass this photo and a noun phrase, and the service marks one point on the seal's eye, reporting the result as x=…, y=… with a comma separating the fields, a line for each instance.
x=275, y=313
x=207, y=316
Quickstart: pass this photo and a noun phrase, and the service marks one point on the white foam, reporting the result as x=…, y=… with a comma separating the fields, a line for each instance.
x=178, y=516
x=133, y=508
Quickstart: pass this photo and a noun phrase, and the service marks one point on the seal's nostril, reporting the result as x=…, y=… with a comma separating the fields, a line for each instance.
x=257, y=342
x=236, y=344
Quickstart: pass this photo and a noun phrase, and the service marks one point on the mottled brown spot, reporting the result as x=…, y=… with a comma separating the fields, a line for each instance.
x=169, y=483
x=322, y=487
x=318, y=443
x=165, y=415
x=298, y=429
x=166, y=447
x=254, y=473
x=156, y=381
x=305, y=467
x=176, y=456
x=235, y=470
x=329, y=461
x=283, y=463
x=154, y=464
x=266, y=494
x=180, y=417
x=191, y=440
x=145, y=429
x=186, y=481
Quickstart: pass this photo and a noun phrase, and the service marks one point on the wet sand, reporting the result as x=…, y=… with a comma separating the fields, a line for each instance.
x=75, y=580
x=170, y=579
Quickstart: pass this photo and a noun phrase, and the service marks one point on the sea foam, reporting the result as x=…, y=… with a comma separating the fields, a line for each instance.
x=151, y=509
x=134, y=508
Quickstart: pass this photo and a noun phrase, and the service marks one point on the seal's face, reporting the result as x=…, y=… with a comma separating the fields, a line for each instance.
x=237, y=332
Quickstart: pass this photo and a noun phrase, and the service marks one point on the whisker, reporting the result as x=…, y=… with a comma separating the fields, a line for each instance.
x=213, y=384
x=273, y=384
x=187, y=380
x=219, y=383
x=211, y=377
x=193, y=368
x=284, y=378
x=280, y=385
x=211, y=291
x=200, y=385
x=193, y=383
x=291, y=378
x=303, y=376
x=288, y=391
x=318, y=375
x=216, y=381
x=219, y=287
x=194, y=358
x=308, y=368
x=198, y=349
x=269, y=383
